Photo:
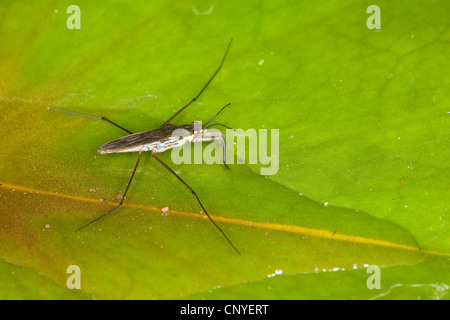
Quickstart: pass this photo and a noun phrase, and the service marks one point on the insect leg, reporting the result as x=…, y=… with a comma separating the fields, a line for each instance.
x=222, y=139
x=211, y=136
x=93, y=117
x=123, y=198
x=203, y=89
x=198, y=200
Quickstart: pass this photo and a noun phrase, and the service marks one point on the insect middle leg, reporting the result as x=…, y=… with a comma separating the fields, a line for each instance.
x=198, y=200
x=204, y=87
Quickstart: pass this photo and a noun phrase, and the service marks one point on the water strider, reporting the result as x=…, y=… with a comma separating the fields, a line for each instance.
x=160, y=140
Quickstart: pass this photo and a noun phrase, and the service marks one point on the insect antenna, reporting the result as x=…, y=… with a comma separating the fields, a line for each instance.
x=219, y=124
x=216, y=114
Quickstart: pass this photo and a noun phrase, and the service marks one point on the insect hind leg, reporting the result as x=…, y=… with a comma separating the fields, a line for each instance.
x=93, y=117
x=123, y=197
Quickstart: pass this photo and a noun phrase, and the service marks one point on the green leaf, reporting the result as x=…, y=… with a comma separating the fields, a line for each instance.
x=363, y=150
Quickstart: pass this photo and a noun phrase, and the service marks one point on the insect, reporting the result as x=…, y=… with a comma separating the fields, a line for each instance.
x=160, y=140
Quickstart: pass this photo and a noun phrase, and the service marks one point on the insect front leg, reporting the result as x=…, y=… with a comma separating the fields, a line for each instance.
x=212, y=136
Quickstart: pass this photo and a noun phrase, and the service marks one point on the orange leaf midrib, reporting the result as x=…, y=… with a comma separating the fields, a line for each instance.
x=266, y=225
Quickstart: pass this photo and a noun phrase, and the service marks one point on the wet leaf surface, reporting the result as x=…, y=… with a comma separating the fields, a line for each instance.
x=363, y=150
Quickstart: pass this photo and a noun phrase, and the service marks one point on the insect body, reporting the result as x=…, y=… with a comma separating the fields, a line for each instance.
x=157, y=140
x=166, y=137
